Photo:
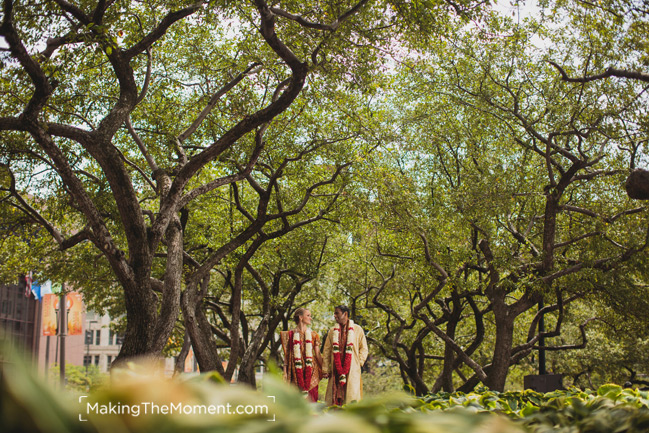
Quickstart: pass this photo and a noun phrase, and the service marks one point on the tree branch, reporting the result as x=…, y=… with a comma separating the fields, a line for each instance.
x=610, y=72
x=161, y=29
x=214, y=99
x=244, y=172
x=319, y=26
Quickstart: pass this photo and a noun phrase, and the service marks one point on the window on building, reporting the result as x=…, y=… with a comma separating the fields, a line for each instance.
x=109, y=360
x=88, y=337
x=111, y=337
x=119, y=339
x=98, y=337
x=86, y=360
x=97, y=360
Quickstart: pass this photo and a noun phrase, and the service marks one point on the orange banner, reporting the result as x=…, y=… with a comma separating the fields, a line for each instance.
x=49, y=314
x=75, y=313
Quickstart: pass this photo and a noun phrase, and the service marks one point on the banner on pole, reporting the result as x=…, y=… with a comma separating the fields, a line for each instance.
x=49, y=315
x=46, y=288
x=74, y=304
x=36, y=290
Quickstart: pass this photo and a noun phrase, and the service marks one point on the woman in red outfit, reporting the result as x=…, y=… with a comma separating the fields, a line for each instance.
x=302, y=359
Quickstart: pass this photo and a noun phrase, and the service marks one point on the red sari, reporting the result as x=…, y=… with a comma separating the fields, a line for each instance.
x=290, y=372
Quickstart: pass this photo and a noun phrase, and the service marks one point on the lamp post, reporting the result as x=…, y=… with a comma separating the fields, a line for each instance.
x=88, y=341
x=62, y=307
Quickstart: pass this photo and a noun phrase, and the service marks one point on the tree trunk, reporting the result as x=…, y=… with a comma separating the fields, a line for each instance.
x=170, y=304
x=500, y=363
x=148, y=331
x=141, y=317
x=445, y=379
x=199, y=329
x=179, y=366
x=247, y=374
x=473, y=381
x=417, y=382
x=250, y=356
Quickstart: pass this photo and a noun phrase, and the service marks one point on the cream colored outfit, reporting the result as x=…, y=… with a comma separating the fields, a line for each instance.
x=359, y=355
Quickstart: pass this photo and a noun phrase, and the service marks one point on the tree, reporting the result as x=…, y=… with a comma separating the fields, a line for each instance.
x=512, y=198
x=87, y=143
x=607, y=41
x=606, y=46
x=133, y=111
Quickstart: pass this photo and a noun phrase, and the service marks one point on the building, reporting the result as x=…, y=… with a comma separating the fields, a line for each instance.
x=22, y=320
x=21, y=327
x=18, y=320
x=102, y=344
x=96, y=345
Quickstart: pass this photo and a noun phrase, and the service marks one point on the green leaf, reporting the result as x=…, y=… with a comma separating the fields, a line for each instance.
x=611, y=391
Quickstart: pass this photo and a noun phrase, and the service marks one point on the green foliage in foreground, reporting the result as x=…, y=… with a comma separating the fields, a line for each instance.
x=27, y=405
x=609, y=409
x=78, y=377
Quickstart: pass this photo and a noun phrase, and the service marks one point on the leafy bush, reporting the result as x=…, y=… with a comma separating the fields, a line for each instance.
x=78, y=378
x=610, y=409
x=28, y=405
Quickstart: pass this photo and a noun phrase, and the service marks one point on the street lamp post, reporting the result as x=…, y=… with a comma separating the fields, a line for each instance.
x=63, y=304
x=88, y=341
x=62, y=309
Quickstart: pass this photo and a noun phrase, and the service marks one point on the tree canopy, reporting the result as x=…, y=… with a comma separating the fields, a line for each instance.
x=453, y=174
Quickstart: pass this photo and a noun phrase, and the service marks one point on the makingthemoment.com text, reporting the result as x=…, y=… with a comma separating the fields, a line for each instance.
x=151, y=408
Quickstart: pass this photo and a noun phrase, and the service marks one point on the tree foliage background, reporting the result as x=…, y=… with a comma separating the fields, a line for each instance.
x=451, y=172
